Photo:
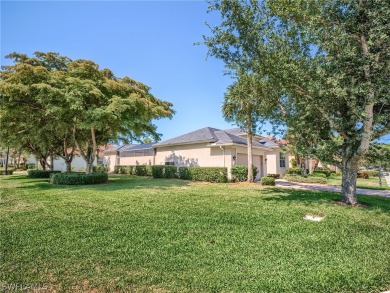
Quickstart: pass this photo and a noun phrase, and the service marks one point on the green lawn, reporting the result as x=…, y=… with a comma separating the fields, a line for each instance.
x=145, y=235
x=370, y=183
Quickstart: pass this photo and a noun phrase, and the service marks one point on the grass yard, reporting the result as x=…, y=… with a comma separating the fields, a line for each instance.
x=150, y=235
x=370, y=183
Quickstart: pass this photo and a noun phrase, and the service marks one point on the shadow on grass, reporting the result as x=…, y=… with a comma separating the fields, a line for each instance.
x=310, y=197
x=115, y=183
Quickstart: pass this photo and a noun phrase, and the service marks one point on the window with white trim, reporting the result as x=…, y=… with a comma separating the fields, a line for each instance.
x=282, y=160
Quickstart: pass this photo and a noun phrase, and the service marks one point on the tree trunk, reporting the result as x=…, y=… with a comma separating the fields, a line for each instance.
x=250, y=157
x=380, y=176
x=303, y=166
x=349, y=171
x=51, y=163
x=43, y=163
x=68, y=165
x=6, y=162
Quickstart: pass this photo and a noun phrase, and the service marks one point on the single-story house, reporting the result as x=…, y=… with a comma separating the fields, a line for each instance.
x=205, y=147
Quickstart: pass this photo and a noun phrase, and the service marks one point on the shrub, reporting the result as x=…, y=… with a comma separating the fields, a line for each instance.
x=30, y=166
x=319, y=175
x=240, y=173
x=73, y=178
x=9, y=171
x=184, y=173
x=371, y=173
x=327, y=173
x=139, y=170
x=276, y=176
x=100, y=169
x=41, y=173
x=362, y=175
x=294, y=163
x=296, y=178
x=170, y=172
x=292, y=171
x=210, y=174
x=268, y=181
x=158, y=171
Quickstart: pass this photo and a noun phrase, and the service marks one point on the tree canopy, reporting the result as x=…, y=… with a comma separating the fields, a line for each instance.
x=329, y=60
x=50, y=103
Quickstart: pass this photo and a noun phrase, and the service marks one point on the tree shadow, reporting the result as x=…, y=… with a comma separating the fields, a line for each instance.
x=182, y=161
x=310, y=197
x=117, y=182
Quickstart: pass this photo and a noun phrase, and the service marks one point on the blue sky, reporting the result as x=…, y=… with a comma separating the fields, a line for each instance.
x=152, y=42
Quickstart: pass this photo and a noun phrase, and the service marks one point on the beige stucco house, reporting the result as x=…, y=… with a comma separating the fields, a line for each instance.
x=206, y=147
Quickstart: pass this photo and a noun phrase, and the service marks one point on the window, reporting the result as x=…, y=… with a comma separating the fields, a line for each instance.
x=137, y=153
x=282, y=160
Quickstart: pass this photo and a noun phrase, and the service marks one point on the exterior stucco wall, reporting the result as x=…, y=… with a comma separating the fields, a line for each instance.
x=78, y=164
x=110, y=162
x=273, y=162
x=259, y=156
x=191, y=155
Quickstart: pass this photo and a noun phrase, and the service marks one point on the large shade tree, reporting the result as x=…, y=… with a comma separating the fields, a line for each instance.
x=330, y=59
x=52, y=105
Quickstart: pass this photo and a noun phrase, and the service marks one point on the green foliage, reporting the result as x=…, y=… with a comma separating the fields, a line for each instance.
x=158, y=171
x=320, y=175
x=328, y=64
x=210, y=174
x=31, y=166
x=100, y=169
x=240, y=173
x=75, y=104
x=295, y=171
x=78, y=178
x=371, y=173
x=297, y=178
x=184, y=173
x=327, y=173
x=276, y=176
x=170, y=172
x=294, y=163
x=268, y=181
x=41, y=173
x=189, y=225
x=138, y=170
x=8, y=172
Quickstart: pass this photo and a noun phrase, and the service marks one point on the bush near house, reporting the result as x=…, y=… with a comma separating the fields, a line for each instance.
x=40, y=173
x=210, y=174
x=371, y=173
x=296, y=178
x=268, y=181
x=293, y=171
x=327, y=173
x=73, y=178
x=9, y=171
x=240, y=173
x=100, y=169
x=320, y=175
x=139, y=170
x=362, y=175
x=162, y=171
x=275, y=176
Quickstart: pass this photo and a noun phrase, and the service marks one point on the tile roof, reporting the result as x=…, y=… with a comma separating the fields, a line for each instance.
x=203, y=134
x=215, y=136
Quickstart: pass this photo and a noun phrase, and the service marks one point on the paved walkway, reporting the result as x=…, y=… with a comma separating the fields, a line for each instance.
x=307, y=186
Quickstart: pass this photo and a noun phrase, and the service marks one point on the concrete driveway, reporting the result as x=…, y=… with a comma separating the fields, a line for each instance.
x=307, y=186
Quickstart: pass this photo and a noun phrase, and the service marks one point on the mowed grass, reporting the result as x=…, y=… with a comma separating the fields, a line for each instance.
x=370, y=183
x=144, y=235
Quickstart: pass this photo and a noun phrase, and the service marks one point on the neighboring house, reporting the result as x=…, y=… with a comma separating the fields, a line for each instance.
x=206, y=147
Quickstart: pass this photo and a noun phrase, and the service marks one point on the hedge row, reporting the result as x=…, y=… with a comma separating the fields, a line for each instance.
x=41, y=173
x=73, y=178
x=371, y=173
x=9, y=171
x=100, y=169
x=275, y=176
x=240, y=173
x=210, y=174
x=295, y=178
x=268, y=181
x=139, y=170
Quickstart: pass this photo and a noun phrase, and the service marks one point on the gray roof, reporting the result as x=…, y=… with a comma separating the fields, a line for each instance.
x=203, y=134
x=216, y=136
